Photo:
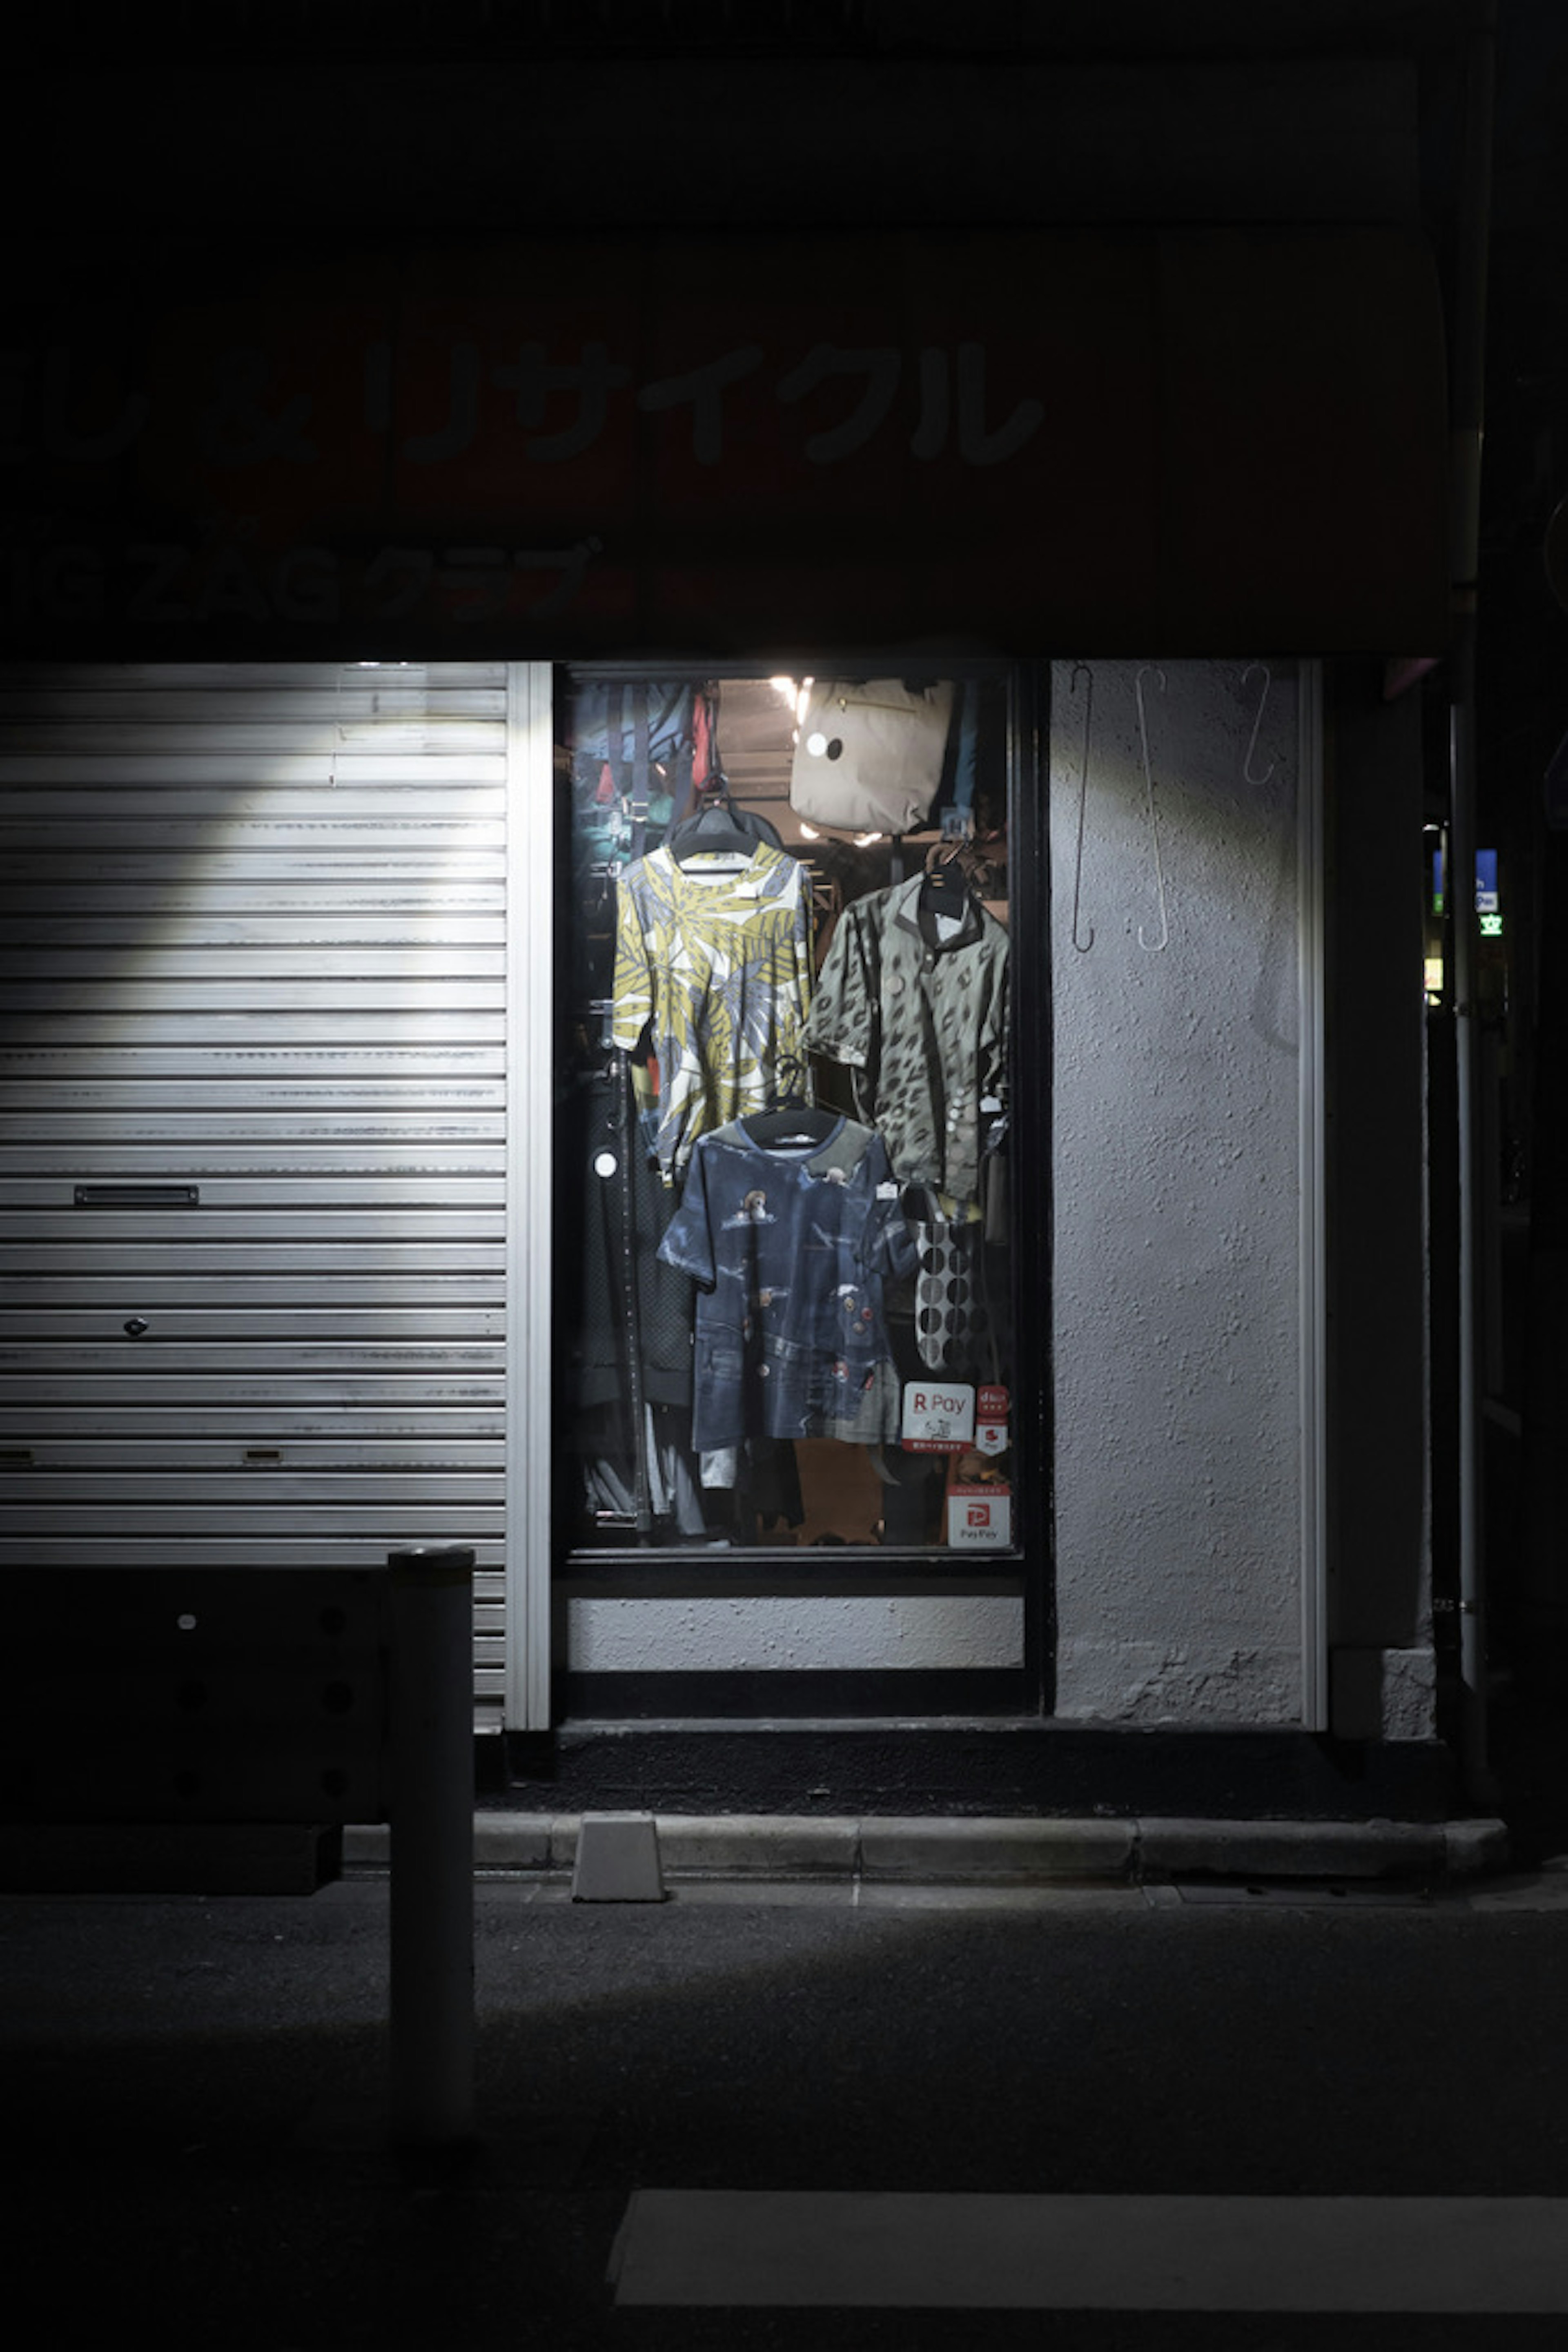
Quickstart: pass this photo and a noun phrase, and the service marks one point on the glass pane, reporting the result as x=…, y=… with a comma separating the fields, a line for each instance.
x=784, y=1270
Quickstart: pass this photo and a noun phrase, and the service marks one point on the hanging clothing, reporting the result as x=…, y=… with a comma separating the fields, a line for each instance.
x=951, y=1324
x=714, y=960
x=618, y=1197
x=608, y=1458
x=790, y=1247
x=922, y=1020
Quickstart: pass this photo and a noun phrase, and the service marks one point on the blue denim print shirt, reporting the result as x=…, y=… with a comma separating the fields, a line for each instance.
x=790, y=1249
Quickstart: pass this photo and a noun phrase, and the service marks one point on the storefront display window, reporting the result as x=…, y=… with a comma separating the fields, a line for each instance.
x=786, y=1266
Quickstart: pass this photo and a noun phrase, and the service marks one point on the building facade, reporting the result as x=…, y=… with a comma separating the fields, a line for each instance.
x=529, y=682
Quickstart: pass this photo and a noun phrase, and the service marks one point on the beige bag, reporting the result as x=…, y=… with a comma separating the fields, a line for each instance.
x=868, y=758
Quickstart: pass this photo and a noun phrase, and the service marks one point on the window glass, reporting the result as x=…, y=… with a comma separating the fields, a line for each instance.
x=784, y=1279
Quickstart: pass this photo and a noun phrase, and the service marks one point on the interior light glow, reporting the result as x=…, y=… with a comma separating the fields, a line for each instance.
x=796, y=691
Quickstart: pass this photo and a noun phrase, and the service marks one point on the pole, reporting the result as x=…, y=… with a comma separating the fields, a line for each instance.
x=1467, y=404
x=432, y=1839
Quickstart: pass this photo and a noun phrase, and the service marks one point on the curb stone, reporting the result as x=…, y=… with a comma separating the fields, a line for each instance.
x=1008, y=1851
x=1376, y=1849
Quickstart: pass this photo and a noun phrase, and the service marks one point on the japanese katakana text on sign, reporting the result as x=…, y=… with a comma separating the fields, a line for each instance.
x=550, y=404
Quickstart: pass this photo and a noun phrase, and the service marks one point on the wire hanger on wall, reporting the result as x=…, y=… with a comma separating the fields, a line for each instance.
x=1152, y=946
x=1262, y=707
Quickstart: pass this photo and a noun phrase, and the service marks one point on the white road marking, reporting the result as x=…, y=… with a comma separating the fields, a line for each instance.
x=815, y=2248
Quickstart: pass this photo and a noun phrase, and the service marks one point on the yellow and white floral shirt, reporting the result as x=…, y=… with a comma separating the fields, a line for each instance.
x=715, y=962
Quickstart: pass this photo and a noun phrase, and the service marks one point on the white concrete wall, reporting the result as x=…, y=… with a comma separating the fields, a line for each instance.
x=728, y=1632
x=1176, y=1037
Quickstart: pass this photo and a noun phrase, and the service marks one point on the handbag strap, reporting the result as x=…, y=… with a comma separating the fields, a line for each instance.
x=958, y=816
x=637, y=701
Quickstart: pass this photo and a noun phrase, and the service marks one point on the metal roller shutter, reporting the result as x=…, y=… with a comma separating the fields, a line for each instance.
x=252, y=1099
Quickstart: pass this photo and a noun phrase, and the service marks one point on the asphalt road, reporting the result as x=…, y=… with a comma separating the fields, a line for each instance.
x=194, y=2098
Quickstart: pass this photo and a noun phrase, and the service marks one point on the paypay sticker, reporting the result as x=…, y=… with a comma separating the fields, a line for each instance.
x=979, y=1519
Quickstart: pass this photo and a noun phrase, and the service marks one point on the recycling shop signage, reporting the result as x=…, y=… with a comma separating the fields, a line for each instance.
x=565, y=446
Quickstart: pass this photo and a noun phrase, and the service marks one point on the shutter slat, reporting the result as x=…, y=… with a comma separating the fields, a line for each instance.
x=251, y=941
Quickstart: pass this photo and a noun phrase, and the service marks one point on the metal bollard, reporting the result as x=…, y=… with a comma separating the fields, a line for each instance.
x=432, y=1845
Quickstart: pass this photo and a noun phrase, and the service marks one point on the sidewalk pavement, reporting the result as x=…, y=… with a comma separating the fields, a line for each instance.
x=1523, y=1825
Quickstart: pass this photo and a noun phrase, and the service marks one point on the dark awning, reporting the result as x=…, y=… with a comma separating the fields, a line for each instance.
x=1032, y=441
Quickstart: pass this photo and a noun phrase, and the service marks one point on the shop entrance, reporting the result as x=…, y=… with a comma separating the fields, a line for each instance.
x=788, y=1256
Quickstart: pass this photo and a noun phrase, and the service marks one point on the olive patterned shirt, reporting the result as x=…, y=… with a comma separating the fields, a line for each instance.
x=923, y=1023
x=716, y=964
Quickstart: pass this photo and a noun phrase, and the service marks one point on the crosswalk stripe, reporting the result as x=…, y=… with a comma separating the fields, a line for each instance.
x=809, y=2247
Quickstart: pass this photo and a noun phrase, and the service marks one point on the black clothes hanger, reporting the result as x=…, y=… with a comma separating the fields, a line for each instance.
x=791, y=1118
x=795, y=1123
x=720, y=824
x=945, y=889
x=712, y=830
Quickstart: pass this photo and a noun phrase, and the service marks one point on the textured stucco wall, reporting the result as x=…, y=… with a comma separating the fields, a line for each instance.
x=1176, y=1030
